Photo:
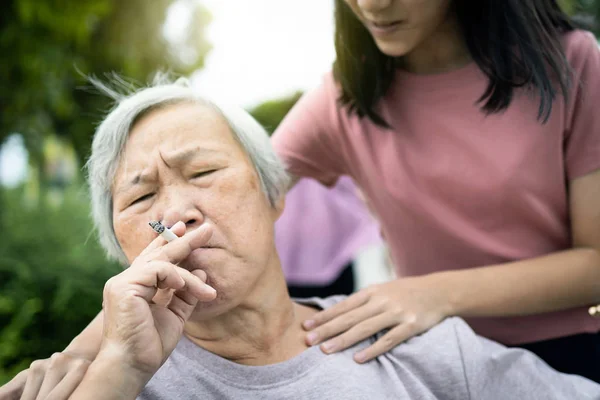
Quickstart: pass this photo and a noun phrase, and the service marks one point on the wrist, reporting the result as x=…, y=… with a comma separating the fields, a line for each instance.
x=450, y=286
x=78, y=351
x=111, y=376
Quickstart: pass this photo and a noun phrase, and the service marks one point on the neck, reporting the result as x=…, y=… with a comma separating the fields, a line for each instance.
x=265, y=328
x=443, y=51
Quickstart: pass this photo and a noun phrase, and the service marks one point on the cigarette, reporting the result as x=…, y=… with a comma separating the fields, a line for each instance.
x=163, y=231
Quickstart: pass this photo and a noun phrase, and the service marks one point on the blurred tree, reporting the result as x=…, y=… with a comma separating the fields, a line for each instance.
x=584, y=11
x=52, y=272
x=51, y=268
x=47, y=45
x=271, y=113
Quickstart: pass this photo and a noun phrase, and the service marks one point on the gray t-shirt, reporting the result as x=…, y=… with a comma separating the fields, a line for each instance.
x=448, y=362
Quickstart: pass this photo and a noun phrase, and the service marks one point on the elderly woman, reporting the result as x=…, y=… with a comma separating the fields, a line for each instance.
x=208, y=315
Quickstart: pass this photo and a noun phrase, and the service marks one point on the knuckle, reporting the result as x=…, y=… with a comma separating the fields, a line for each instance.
x=81, y=365
x=369, y=291
x=319, y=318
x=322, y=333
x=381, y=303
x=342, y=342
x=387, y=342
x=411, y=320
x=159, y=252
x=109, y=285
x=364, y=330
x=397, y=313
x=57, y=358
x=350, y=321
x=37, y=366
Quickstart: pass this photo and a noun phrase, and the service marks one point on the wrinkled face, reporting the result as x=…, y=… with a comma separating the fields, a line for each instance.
x=400, y=26
x=182, y=163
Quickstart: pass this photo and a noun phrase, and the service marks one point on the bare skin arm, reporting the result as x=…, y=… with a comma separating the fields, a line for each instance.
x=87, y=343
x=61, y=373
x=410, y=306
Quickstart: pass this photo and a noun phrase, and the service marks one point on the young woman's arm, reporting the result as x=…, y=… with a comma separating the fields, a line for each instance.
x=554, y=282
x=62, y=372
x=410, y=306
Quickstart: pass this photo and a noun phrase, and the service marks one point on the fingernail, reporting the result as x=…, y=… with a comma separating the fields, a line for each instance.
x=328, y=347
x=312, y=337
x=309, y=324
x=176, y=224
x=359, y=357
x=210, y=289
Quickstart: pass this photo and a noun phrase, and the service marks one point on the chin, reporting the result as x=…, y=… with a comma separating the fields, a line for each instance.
x=393, y=49
x=207, y=310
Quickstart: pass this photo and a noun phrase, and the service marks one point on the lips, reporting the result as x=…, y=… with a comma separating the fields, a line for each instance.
x=385, y=24
x=382, y=28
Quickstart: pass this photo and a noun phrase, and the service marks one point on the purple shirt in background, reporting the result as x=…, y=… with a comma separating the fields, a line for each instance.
x=321, y=230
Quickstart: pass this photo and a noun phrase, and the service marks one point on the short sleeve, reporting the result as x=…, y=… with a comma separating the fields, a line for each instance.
x=495, y=372
x=582, y=141
x=308, y=139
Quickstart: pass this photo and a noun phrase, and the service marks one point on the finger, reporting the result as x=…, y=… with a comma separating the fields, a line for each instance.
x=178, y=229
x=196, y=286
x=14, y=388
x=200, y=274
x=163, y=275
x=182, y=304
x=359, y=332
x=342, y=323
x=53, y=376
x=69, y=383
x=352, y=302
x=391, y=339
x=163, y=297
x=35, y=377
x=177, y=250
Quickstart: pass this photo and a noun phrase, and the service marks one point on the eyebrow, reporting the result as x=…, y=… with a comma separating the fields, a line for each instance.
x=178, y=158
x=139, y=178
x=186, y=155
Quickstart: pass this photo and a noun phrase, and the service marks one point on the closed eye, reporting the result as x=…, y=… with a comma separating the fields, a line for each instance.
x=142, y=198
x=203, y=173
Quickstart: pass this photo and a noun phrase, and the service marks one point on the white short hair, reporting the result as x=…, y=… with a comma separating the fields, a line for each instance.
x=111, y=136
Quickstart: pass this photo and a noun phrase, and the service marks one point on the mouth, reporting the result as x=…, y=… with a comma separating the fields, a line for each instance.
x=198, y=257
x=381, y=28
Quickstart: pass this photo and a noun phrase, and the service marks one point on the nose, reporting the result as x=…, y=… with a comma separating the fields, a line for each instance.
x=373, y=6
x=180, y=207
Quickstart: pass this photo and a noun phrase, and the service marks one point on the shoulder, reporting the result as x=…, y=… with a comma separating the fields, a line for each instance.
x=320, y=302
x=579, y=46
x=435, y=358
x=320, y=101
x=443, y=341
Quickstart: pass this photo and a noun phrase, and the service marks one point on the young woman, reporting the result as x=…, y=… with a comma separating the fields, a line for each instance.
x=471, y=128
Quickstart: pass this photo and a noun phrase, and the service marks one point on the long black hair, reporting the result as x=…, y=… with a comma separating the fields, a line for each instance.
x=516, y=43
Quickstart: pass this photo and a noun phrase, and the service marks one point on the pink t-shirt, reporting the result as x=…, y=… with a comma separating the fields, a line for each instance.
x=454, y=188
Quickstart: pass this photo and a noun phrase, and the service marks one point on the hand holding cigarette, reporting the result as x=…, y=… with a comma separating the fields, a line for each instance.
x=138, y=332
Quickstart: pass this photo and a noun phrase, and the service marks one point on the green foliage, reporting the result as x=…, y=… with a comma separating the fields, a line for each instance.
x=52, y=272
x=586, y=11
x=48, y=45
x=271, y=113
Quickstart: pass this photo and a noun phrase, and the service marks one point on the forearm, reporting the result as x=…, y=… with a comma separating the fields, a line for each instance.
x=110, y=378
x=87, y=343
x=554, y=282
